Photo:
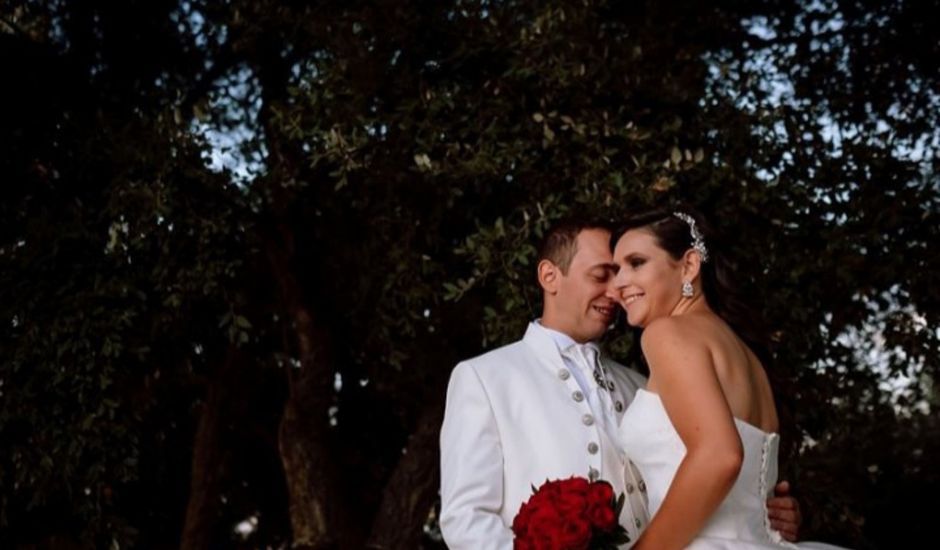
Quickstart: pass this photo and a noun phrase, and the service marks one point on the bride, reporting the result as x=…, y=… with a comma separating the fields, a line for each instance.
x=704, y=432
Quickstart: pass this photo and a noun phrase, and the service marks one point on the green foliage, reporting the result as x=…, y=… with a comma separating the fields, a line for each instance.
x=416, y=152
x=597, y=109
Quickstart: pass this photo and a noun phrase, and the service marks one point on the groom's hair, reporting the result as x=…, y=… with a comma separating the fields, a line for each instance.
x=560, y=242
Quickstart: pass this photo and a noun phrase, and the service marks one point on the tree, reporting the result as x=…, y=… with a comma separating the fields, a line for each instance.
x=270, y=341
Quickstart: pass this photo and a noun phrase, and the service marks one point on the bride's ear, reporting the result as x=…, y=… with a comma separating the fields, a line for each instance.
x=548, y=274
x=691, y=265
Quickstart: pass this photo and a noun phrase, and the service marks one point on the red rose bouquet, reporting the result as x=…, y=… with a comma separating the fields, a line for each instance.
x=570, y=514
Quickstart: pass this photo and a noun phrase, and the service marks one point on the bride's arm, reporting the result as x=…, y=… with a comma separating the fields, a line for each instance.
x=682, y=372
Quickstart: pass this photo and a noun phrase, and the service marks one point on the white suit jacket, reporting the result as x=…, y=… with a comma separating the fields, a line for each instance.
x=511, y=422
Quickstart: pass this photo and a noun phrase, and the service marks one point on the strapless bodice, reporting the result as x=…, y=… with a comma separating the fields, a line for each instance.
x=655, y=447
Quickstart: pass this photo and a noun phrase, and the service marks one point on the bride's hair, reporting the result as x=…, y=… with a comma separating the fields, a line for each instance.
x=722, y=291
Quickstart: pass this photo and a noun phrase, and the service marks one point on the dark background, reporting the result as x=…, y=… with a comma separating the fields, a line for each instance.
x=242, y=243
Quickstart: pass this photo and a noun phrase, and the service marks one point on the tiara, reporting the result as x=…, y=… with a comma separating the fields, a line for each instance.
x=698, y=241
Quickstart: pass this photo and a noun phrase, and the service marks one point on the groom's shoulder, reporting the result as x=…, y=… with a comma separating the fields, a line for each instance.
x=499, y=358
x=490, y=369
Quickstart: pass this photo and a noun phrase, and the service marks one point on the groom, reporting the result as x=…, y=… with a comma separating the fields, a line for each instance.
x=547, y=406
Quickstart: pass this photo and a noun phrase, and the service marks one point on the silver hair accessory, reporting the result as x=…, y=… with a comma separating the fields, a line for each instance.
x=698, y=242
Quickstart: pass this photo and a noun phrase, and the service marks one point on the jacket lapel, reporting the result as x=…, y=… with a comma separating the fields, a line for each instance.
x=549, y=358
x=544, y=348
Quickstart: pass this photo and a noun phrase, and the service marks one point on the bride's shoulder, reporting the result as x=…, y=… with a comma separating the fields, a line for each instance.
x=676, y=346
x=672, y=332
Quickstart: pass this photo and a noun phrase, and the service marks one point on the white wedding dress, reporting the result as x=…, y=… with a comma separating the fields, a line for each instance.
x=740, y=522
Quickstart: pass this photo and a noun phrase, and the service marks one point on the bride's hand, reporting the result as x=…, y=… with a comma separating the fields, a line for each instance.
x=784, y=512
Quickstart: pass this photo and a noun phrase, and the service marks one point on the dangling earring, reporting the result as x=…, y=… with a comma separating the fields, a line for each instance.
x=687, y=290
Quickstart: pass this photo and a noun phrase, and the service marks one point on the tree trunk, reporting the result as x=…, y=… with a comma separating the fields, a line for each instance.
x=412, y=488
x=315, y=500
x=303, y=445
x=317, y=513
x=208, y=462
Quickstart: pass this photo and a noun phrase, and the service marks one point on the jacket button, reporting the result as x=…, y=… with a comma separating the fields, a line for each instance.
x=587, y=419
x=629, y=488
x=642, y=486
x=618, y=406
x=577, y=396
x=592, y=448
x=564, y=374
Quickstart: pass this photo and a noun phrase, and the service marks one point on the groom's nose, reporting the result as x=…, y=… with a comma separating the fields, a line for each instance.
x=613, y=290
x=615, y=285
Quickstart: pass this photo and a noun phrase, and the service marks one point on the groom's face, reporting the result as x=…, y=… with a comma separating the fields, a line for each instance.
x=583, y=304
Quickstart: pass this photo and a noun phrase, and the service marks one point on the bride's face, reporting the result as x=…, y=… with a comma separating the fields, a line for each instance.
x=648, y=284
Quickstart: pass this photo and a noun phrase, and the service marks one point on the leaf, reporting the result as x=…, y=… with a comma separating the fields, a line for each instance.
x=663, y=184
x=242, y=322
x=548, y=133
x=423, y=161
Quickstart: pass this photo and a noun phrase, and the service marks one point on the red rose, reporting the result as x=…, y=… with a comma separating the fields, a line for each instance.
x=569, y=496
x=577, y=485
x=576, y=535
x=542, y=540
x=549, y=490
x=571, y=504
x=569, y=514
x=602, y=516
x=541, y=497
x=601, y=493
x=520, y=523
x=543, y=519
x=545, y=542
